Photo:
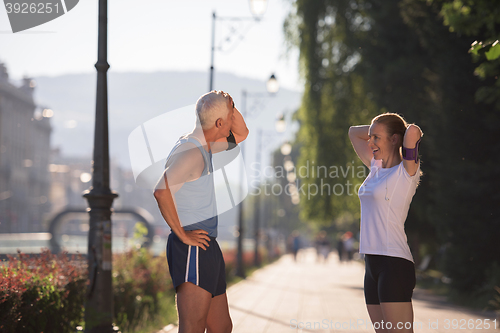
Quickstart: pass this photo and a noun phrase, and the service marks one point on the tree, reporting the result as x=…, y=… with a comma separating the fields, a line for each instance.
x=364, y=57
x=333, y=100
x=479, y=20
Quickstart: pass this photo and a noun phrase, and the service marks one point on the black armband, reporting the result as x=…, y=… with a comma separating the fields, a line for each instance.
x=231, y=141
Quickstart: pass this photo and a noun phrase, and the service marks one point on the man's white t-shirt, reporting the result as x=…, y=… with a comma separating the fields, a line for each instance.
x=385, y=198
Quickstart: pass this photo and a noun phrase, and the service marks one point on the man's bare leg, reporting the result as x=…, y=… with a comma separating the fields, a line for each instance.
x=193, y=304
x=218, y=319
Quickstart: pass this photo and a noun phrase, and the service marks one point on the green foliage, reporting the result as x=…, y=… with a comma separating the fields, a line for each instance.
x=475, y=47
x=492, y=53
x=470, y=17
x=141, y=284
x=334, y=99
x=140, y=231
x=142, y=288
x=478, y=20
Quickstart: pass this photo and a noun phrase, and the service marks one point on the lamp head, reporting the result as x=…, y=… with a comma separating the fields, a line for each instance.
x=258, y=7
x=280, y=123
x=286, y=149
x=272, y=85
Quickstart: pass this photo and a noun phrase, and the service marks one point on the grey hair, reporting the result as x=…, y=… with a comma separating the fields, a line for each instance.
x=210, y=107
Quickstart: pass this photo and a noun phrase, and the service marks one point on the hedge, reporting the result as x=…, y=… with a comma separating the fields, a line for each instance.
x=42, y=293
x=46, y=293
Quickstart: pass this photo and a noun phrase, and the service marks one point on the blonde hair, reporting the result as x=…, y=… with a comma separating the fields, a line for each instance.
x=394, y=124
x=210, y=107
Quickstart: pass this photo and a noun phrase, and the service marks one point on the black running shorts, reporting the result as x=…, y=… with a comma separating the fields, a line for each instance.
x=388, y=279
x=204, y=268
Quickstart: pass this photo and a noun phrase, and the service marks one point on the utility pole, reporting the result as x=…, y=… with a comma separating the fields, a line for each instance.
x=212, y=52
x=240, y=265
x=257, y=206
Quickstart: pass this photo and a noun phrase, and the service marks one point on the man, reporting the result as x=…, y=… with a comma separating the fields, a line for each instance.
x=186, y=198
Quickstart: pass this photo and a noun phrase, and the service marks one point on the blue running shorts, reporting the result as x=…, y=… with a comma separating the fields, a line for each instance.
x=204, y=268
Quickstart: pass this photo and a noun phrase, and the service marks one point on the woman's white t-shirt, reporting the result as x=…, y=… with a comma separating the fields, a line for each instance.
x=385, y=198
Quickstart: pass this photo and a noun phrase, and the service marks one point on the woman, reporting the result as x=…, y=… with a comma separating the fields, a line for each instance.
x=389, y=147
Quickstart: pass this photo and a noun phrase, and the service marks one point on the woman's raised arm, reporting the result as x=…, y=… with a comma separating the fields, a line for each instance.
x=359, y=139
x=412, y=136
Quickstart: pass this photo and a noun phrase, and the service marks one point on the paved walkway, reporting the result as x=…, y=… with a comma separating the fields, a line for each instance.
x=306, y=296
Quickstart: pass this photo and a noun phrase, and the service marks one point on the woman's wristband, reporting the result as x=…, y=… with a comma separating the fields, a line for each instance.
x=411, y=154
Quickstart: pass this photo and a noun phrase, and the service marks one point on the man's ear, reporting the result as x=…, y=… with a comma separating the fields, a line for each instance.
x=218, y=122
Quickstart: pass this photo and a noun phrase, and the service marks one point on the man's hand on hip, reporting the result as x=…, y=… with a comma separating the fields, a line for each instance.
x=196, y=238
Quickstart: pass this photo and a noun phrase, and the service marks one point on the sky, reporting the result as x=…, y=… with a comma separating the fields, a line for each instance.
x=155, y=35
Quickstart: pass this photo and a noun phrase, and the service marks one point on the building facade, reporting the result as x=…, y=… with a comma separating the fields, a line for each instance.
x=24, y=157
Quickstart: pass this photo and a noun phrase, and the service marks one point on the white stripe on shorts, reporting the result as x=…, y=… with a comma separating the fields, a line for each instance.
x=187, y=264
x=197, y=269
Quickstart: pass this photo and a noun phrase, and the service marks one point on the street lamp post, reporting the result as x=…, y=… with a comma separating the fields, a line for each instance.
x=240, y=269
x=256, y=257
x=272, y=88
x=99, y=301
x=280, y=128
x=212, y=53
x=257, y=7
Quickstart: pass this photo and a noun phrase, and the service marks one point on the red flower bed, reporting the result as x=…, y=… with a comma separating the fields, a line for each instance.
x=34, y=289
x=46, y=292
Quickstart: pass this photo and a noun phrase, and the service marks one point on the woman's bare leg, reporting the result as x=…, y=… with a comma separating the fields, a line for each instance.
x=376, y=316
x=399, y=314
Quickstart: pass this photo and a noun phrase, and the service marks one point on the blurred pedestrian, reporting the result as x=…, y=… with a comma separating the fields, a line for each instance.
x=340, y=248
x=348, y=244
x=295, y=244
x=389, y=148
x=322, y=246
